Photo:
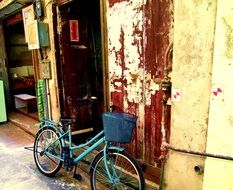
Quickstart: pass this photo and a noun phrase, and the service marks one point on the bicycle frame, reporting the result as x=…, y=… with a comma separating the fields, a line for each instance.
x=99, y=138
x=86, y=152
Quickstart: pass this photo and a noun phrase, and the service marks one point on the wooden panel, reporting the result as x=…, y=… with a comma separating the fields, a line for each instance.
x=137, y=57
x=17, y=17
x=159, y=32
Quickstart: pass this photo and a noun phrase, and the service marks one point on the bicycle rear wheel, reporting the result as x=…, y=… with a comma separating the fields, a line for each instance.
x=48, y=165
x=125, y=171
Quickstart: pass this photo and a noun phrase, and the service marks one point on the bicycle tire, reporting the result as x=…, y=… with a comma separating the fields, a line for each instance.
x=46, y=164
x=128, y=173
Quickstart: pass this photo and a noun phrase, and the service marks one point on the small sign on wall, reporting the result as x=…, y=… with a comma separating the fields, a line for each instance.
x=217, y=92
x=74, y=30
x=45, y=69
x=176, y=95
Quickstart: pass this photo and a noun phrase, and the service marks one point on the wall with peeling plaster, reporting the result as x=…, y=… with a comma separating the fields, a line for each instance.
x=220, y=130
x=201, y=120
x=53, y=86
x=194, y=29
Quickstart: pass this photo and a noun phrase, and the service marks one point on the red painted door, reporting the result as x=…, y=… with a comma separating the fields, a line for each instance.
x=133, y=80
x=81, y=67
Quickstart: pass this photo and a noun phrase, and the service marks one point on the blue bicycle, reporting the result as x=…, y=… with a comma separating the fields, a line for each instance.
x=111, y=168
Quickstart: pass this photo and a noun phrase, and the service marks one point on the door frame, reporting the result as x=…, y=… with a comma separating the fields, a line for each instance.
x=104, y=52
x=104, y=45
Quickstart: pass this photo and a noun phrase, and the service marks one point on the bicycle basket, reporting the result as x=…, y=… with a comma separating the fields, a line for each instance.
x=118, y=126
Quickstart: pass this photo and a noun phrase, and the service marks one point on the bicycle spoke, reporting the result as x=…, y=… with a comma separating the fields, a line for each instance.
x=124, y=171
x=47, y=141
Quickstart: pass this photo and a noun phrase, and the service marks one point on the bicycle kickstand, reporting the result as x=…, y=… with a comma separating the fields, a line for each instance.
x=77, y=176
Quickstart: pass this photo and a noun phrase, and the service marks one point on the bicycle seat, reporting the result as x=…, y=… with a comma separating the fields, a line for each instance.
x=66, y=121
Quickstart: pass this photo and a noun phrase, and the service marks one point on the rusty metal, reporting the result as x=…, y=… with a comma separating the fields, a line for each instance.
x=168, y=146
x=166, y=88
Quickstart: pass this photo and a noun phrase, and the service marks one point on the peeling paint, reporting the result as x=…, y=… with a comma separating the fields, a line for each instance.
x=136, y=47
x=113, y=2
x=125, y=52
x=125, y=49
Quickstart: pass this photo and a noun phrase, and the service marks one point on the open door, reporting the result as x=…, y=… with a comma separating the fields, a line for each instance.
x=81, y=64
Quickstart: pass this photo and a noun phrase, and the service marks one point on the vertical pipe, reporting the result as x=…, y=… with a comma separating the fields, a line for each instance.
x=161, y=176
x=164, y=110
x=163, y=131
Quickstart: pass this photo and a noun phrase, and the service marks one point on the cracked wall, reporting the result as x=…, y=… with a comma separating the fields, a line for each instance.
x=194, y=30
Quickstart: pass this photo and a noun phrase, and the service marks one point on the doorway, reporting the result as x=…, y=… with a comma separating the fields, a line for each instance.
x=81, y=65
x=20, y=69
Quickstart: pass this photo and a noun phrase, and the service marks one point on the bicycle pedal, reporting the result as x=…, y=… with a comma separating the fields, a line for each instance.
x=77, y=176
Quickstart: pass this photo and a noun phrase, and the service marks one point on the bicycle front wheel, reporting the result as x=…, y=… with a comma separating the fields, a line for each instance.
x=48, y=151
x=124, y=170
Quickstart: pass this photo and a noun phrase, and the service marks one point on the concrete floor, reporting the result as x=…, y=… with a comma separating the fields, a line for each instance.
x=18, y=170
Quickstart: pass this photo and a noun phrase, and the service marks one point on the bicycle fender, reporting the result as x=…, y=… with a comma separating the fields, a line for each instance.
x=52, y=127
x=120, y=149
x=116, y=148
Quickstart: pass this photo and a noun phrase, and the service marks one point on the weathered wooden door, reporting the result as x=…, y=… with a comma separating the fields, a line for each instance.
x=81, y=67
x=137, y=49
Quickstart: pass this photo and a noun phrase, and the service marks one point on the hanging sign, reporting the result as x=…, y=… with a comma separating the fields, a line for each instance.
x=74, y=30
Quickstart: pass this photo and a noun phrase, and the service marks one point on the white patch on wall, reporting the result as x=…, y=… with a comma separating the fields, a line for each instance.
x=151, y=87
x=134, y=85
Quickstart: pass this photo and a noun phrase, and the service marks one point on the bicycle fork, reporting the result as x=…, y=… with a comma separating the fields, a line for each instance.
x=113, y=178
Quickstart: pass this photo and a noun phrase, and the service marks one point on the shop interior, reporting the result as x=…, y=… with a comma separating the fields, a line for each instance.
x=20, y=70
